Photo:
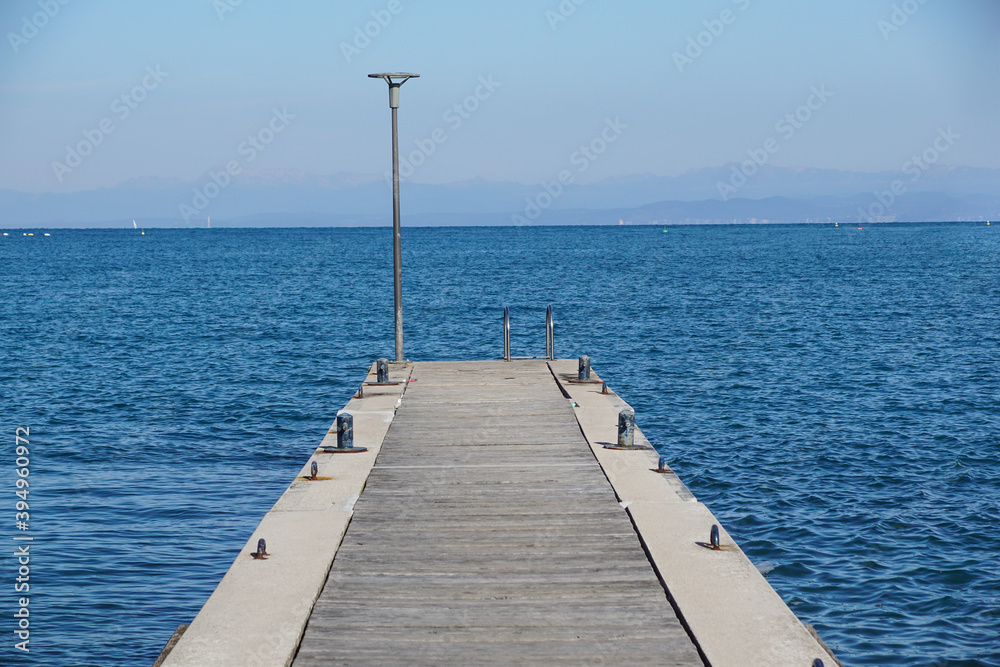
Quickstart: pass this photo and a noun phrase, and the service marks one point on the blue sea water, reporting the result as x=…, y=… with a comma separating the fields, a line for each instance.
x=832, y=394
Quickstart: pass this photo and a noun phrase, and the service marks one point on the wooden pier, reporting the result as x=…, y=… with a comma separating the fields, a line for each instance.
x=490, y=523
x=487, y=533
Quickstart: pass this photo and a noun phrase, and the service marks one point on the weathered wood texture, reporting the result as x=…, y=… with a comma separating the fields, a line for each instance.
x=488, y=534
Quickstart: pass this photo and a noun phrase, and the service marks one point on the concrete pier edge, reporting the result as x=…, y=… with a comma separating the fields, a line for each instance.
x=258, y=612
x=733, y=614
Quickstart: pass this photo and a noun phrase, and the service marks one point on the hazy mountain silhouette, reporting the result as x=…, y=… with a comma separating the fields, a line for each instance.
x=282, y=198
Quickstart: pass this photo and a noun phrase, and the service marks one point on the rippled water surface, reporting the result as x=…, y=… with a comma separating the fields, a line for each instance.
x=833, y=395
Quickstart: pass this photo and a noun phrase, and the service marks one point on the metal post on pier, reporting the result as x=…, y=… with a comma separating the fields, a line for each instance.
x=395, y=80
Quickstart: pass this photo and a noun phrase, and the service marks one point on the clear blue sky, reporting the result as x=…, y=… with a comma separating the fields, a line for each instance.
x=227, y=70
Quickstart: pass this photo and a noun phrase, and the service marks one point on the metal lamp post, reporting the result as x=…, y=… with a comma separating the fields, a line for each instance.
x=395, y=80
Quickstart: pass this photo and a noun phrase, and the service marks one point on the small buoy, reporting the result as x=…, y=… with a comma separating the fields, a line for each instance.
x=836, y=224
x=47, y=234
x=31, y=233
x=143, y=233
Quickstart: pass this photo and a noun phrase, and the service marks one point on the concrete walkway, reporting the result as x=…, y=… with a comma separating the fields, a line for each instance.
x=488, y=533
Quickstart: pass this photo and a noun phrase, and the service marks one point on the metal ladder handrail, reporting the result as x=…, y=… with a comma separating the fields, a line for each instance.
x=550, y=343
x=550, y=346
x=506, y=333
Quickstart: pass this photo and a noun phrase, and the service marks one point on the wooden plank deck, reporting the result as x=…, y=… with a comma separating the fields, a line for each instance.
x=488, y=534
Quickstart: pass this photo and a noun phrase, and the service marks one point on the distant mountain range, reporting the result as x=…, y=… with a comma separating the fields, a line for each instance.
x=294, y=198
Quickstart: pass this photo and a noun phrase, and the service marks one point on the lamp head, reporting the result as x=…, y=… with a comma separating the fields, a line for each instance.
x=395, y=80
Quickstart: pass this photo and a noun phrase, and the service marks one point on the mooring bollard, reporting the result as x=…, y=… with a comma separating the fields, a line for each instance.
x=261, y=550
x=713, y=537
x=817, y=663
x=314, y=469
x=345, y=431
x=382, y=373
x=584, y=374
x=626, y=428
x=604, y=388
x=663, y=465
